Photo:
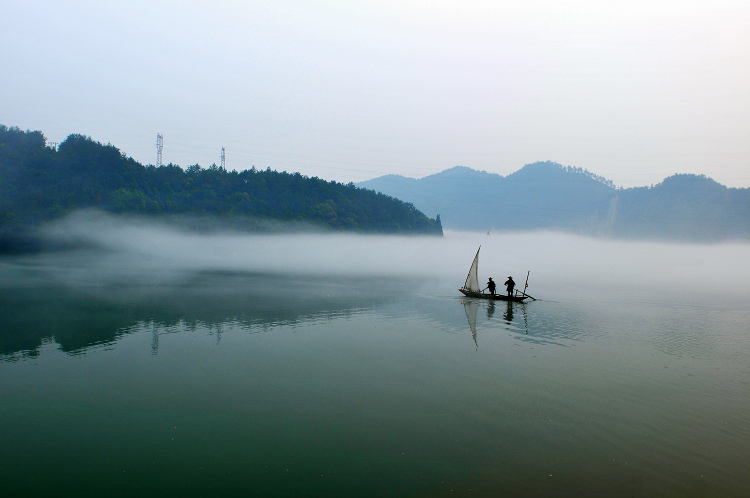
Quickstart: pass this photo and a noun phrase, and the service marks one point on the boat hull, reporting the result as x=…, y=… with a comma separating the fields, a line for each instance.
x=495, y=297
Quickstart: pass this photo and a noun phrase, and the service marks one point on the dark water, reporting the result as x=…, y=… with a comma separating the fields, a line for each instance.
x=253, y=384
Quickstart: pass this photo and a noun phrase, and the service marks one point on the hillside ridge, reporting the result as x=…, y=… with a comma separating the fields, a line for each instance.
x=40, y=184
x=549, y=196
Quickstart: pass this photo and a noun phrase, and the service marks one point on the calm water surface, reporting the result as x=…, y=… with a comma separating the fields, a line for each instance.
x=270, y=385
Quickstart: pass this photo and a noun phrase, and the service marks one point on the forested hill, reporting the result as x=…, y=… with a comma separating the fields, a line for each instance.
x=39, y=184
x=547, y=195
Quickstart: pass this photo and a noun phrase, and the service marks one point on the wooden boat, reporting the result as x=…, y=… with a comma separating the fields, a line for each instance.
x=471, y=287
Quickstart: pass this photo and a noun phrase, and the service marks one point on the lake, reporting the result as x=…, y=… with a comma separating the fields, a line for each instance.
x=153, y=362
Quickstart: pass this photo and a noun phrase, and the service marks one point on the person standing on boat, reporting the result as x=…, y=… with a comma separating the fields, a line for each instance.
x=491, y=286
x=510, y=284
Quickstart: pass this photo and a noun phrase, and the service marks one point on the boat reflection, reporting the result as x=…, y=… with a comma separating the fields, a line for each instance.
x=471, y=308
x=491, y=309
x=509, y=314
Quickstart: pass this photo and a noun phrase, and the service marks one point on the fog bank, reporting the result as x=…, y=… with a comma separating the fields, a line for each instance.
x=127, y=251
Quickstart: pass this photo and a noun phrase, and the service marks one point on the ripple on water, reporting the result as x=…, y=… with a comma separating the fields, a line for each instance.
x=699, y=332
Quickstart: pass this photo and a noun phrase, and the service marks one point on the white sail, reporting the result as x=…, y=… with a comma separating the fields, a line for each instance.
x=472, y=281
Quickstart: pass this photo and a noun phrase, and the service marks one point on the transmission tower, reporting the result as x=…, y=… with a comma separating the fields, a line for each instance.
x=223, y=159
x=159, y=147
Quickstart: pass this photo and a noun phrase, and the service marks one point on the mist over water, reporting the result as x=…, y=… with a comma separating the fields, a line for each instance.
x=324, y=364
x=115, y=251
x=149, y=271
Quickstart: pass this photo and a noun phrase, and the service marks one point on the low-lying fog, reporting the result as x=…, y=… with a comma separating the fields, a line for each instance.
x=116, y=251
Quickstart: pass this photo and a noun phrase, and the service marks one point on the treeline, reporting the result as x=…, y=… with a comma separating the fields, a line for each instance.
x=40, y=183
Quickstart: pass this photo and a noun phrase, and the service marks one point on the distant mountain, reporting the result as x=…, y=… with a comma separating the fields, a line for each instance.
x=547, y=195
x=39, y=184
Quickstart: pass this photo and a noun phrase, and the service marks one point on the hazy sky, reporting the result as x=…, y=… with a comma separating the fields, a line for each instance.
x=631, y=90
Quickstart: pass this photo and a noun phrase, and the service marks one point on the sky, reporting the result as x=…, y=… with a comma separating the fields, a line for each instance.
x=633, y=90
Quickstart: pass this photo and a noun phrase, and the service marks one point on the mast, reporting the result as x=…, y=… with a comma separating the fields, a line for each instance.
x=526, y=285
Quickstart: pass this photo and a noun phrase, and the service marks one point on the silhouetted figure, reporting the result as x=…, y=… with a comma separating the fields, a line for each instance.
x=491, y=286
x=510, y=284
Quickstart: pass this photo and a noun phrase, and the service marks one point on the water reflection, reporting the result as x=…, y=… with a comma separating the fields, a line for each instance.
x=538, y=323
x=491, y=310
x=508, y=314
x=79, y=318
x=471, y=309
